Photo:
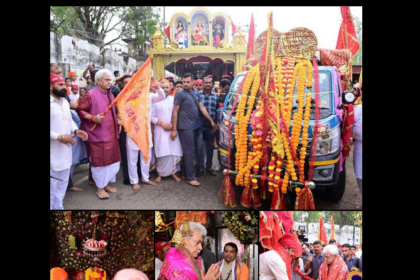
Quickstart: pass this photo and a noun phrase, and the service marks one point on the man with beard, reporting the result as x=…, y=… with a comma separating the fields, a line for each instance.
x=349, y=260
x=161, y=248
x=210, y=101
x=62, y=128
x=277, y=263
x=333, y=268
x=230, y=267
x=314, y=262
x=184, y=262
x=102, y=146
x=168, y=152
x=187, y=106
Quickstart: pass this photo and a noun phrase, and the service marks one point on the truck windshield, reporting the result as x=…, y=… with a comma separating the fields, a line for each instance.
x=326, y=102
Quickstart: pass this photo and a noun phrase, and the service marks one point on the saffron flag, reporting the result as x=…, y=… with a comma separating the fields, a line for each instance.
x=133, y=107
x=168, y=32
x=347, y=38
x=233, y=26
x=322, y=234
x=332, y=236
x=251, y=39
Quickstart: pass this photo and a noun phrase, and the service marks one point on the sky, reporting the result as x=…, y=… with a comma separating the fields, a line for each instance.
x=323, y=21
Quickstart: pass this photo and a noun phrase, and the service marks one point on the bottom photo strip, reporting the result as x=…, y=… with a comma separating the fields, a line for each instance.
x=222, y=245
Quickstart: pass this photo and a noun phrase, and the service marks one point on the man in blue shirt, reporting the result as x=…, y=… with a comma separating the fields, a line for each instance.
x=186, y=121
x=210, y=101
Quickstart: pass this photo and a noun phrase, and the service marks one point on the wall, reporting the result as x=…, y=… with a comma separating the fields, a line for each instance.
x=76, y=54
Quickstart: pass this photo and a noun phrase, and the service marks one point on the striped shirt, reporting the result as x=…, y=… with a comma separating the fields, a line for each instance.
x=211, y=102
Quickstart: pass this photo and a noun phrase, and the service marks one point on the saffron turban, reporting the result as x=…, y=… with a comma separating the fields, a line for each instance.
x=287, y=240
x=58, y=273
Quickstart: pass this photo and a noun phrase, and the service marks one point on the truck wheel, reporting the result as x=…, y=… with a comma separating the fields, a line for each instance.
x=336, y=192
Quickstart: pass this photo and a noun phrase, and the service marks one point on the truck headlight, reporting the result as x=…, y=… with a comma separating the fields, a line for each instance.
x=329, y=141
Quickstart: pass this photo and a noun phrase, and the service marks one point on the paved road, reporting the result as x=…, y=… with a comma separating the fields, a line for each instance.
x=169, y=194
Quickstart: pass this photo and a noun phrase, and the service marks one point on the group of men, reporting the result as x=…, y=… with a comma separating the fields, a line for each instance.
x=319, y=262
x=182, y=118
x=191, y=260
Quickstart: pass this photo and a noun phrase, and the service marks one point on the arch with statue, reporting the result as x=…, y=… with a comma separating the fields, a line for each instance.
x=200, y=44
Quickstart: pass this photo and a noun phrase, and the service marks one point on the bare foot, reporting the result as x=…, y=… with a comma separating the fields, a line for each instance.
x=193, y=183
x=176, y=178
x=136, y=187
x=110, y=189
x=102, y=194
x=158, y=178
x=75, y=189
x=150, y=183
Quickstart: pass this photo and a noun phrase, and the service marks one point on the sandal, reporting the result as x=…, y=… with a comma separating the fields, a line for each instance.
x=195, y=184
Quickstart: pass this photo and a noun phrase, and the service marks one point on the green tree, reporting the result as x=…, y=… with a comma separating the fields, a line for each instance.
x=357, y=58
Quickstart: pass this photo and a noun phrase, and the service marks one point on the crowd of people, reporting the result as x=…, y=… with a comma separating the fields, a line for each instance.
x=184, y=115
x=319, y=261
x=188, y=258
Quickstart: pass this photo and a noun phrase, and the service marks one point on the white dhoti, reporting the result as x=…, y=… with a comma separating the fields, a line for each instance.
x=168, y=165
x=105, y=174
x=58, y=188
x=133, y=152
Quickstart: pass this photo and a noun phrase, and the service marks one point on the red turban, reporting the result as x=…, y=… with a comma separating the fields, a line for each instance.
x=160, y=245
x=58, y=273
x=55, y=79
x=287, y=240
x=198, y=82
x=73, y=86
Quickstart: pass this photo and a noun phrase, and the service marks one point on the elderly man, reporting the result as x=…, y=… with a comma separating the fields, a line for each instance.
x=230, y=267
x=62, y=128
x=333, y=267
x=102, y=146
x=184, y=262
x=276, y=263
x=58, y=273
x=130, y=274
x=334, y=242
x=161, y=248
x=168, y=152
x=349, y=260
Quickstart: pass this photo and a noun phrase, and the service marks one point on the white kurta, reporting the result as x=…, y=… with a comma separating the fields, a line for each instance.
x=272, y=266
x=158, y=265
x=164, y=145
x=358, y=144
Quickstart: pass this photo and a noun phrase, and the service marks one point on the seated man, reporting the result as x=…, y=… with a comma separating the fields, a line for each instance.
x=333, y=268
x=183, y=262
x=230, y=267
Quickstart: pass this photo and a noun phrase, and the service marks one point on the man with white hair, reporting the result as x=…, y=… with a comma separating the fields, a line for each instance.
x=102, y=146
x=333, y=268
x=130, y=274
x=184, y=262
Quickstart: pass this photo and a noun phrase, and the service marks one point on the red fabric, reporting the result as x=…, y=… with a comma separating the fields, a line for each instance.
x=72, y=74
x=255, y=199
x=55, y=79
x=233, y=26
x=168, y=32
x=298, y=272
x=286, y=220
x=227, y=193
x=246, y=197
x=332, y=236
x=322, y=233
x=337, y=271
x=287, y=240
x=347, y=130
x=275, y=200
x=266, y=229
x=251, y=38
x=160, y=245
x=348, y=30
x=198, y=82
x=305, y=200
x=298, y=248
x=73, y=86
x=286, y=258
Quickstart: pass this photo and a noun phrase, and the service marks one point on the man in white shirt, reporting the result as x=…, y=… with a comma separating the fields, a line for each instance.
x=160, y=251
x=62, y=128
x=358, y=251
x=74, y=96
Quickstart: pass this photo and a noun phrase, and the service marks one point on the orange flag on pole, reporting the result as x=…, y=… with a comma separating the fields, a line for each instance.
x=347, y=38
x=322, y=234
x=332, y=236
x=133, y=107
x=251, y=38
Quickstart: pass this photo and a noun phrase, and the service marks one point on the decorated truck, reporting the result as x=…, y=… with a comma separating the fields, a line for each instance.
x=281, y=131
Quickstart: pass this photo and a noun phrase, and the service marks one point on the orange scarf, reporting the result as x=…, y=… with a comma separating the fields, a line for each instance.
x=285, y=257
x=338, y=270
